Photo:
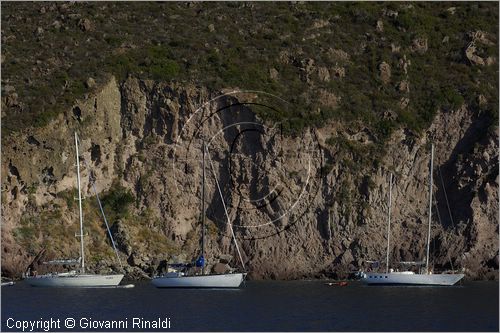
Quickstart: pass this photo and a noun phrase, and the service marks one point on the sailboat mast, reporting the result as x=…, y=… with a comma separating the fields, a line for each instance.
x=203, y=209
x=82, y=253
x=389, y=225
x=430, y=210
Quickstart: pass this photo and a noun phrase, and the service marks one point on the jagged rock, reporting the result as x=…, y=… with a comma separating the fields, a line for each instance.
x=404, y=63
x=419, y=45
x=404, y=86
x=347, y=257
x=470, y=53
x=211, y=28
x=380, y=26
x=220, y=268
x=338, y=72
x=324, y=74
x=284, y=57
x=90, y=82
x=225, y=258
x=56, y=25
x=39, y=31
x=481, y=100
x=491, y=61
x=395, y=48
x=11, y=100
x=403, y=102
x=451, y=10
x=446, y=39
x=135, y=259
x=121, y=235
x=480, y=37
x=273, y=73
x=85, y=24
x=307, y=68
x=385, y=72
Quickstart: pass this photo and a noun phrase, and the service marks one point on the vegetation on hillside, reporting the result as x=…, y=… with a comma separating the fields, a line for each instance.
x=50, y=50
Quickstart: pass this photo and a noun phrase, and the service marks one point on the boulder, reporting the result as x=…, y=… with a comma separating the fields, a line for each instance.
x=470, y=54
x=419, y=45
x=220, y=268
x=56, y=25
x=481, y=100
x=403, y=102
x=11, y=100
x=85, y=24
x=324, y=74
x=273, y=73
x=385, y=72
x=395, y=48
x=90, y=82
x=490, y=61
x=404, y=86
x=121, y=235
x=225, y=258
x=339, y=72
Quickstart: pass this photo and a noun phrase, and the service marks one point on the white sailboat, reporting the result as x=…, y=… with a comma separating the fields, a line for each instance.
x=409, y=277
x=179, y=279
x=74, y=278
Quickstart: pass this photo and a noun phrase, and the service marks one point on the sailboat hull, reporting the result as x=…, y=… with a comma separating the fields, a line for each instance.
x=200, y=281
x=75, y=280
x=411, y=279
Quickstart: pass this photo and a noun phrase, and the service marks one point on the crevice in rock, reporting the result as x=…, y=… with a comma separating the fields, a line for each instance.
x=33, y=141
x=13, y=170
x=95, y=154
x=77, y=112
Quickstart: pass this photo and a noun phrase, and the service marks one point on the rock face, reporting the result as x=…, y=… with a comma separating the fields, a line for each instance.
x=296, y=211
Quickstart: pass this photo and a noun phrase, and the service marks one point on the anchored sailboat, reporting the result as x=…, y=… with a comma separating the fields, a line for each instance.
x=410, y=277
x=180, y=279
x=74, y=278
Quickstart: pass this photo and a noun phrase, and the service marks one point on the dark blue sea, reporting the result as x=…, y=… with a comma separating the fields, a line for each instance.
x=259, y=306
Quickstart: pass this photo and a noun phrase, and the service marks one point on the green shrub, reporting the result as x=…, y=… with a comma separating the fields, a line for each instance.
x=117, y=200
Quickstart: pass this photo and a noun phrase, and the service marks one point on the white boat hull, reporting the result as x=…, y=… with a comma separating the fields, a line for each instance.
x=75, y=280
x=200, y=281
x=411, y=279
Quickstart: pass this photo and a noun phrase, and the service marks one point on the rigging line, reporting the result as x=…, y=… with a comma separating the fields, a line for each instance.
x=446, y=196
x=445, y=237
x=225, y=210
x=91, y=180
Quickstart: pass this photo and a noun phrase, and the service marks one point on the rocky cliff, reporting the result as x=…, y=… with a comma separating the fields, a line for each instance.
x=335, y=96
x=305, y=204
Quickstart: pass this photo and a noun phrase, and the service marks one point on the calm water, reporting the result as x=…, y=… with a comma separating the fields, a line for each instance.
x=267, y=306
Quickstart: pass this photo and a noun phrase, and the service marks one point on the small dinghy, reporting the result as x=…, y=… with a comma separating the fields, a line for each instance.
x=340, y=283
